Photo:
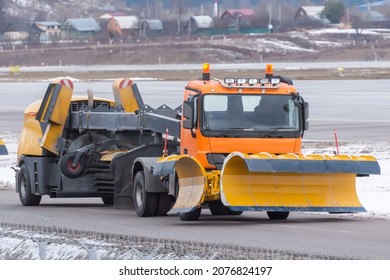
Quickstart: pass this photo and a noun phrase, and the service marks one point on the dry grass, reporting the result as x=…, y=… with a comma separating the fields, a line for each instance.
x=329, y=74
x=236, y=49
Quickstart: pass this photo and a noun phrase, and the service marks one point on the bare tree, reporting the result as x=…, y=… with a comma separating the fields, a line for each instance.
x=2, y=15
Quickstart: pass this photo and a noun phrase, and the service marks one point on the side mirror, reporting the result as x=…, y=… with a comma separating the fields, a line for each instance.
x=188, y=114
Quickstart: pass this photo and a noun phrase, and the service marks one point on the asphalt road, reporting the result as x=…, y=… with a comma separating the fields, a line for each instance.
x=358, y=109
x=342, y=236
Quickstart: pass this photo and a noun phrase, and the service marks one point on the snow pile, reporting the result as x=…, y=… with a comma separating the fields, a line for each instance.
x=30, y=9
x=272, y=45
x=373, y=191
x=32, y=245
x=7, y=175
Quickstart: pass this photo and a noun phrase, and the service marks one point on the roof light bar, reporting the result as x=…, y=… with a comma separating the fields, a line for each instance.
x=264, y=81
x=268, y=82
x=241, y=81
x=229, y=81
x=253, y=81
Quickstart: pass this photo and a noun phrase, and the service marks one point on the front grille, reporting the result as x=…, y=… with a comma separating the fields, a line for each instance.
x=77, y=106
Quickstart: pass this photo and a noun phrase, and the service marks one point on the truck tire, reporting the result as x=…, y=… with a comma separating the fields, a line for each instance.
x=68, y=170
x=191, y=216
x=164, y=204
x=24, y=188
x=108, y=200
x=145, y=203
x=218, y=209
x=277, y=215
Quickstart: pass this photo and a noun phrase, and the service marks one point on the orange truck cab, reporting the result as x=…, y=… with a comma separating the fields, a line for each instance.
x=240, y=114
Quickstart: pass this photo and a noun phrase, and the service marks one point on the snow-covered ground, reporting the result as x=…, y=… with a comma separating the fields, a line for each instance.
x=373, y=191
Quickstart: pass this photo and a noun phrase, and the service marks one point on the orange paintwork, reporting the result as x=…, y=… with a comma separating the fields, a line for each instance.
x=200, y=145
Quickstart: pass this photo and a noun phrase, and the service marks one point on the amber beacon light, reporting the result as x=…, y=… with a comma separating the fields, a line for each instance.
x=206, y=72
x=269, y=71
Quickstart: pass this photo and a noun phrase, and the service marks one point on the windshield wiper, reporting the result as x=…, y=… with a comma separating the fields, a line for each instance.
x=275, y=129
x=242, y=128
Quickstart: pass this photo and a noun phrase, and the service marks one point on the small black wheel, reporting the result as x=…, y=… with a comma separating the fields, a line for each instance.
x=108, y=200
x=218, y=209
x=145, y=203
x=67, y=168
x=277, y=215
x=27, y=198
x=191, y=216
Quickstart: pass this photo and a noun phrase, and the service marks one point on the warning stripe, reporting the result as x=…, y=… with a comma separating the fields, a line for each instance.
x=125, y=83
x=67, y=83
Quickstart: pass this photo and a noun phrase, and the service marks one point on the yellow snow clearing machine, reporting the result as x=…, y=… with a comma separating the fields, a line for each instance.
x=233, y=145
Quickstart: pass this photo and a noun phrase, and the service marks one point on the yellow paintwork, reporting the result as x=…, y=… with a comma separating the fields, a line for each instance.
x=124, y=96
x=110, y=155
x=192, y=182
x=57, y=119
x=242, y=188
x=31, y=135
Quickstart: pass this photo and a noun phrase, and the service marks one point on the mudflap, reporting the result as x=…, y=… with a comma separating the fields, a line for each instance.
x=191, y=184
x=291, y=182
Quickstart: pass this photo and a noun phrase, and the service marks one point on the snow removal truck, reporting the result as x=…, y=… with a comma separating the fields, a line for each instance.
x=233, y=145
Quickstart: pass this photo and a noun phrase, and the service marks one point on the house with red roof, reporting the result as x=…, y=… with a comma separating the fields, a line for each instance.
x=238, y=18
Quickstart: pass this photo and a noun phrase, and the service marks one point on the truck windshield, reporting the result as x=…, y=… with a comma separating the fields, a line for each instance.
x=269, y=115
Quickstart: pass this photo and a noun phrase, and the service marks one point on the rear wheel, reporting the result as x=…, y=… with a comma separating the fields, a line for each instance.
x=145, y=203
x=164, y=204
x=218, y=209
x=27, y=198
x=277, y=215
x=191, y=216
x=108, y=200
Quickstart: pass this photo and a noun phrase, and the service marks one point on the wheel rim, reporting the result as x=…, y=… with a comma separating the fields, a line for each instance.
x=139, y=194
x=71, y=168
x=23, y=185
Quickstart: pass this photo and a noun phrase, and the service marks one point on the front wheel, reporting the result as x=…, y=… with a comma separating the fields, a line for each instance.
x=144, y=202
x=27, y=198
x=277, y=215
x=218, y=209
x=191, y=216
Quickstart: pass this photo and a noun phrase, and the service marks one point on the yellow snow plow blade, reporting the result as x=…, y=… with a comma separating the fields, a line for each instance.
x=192, y=182
x=319, y=183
